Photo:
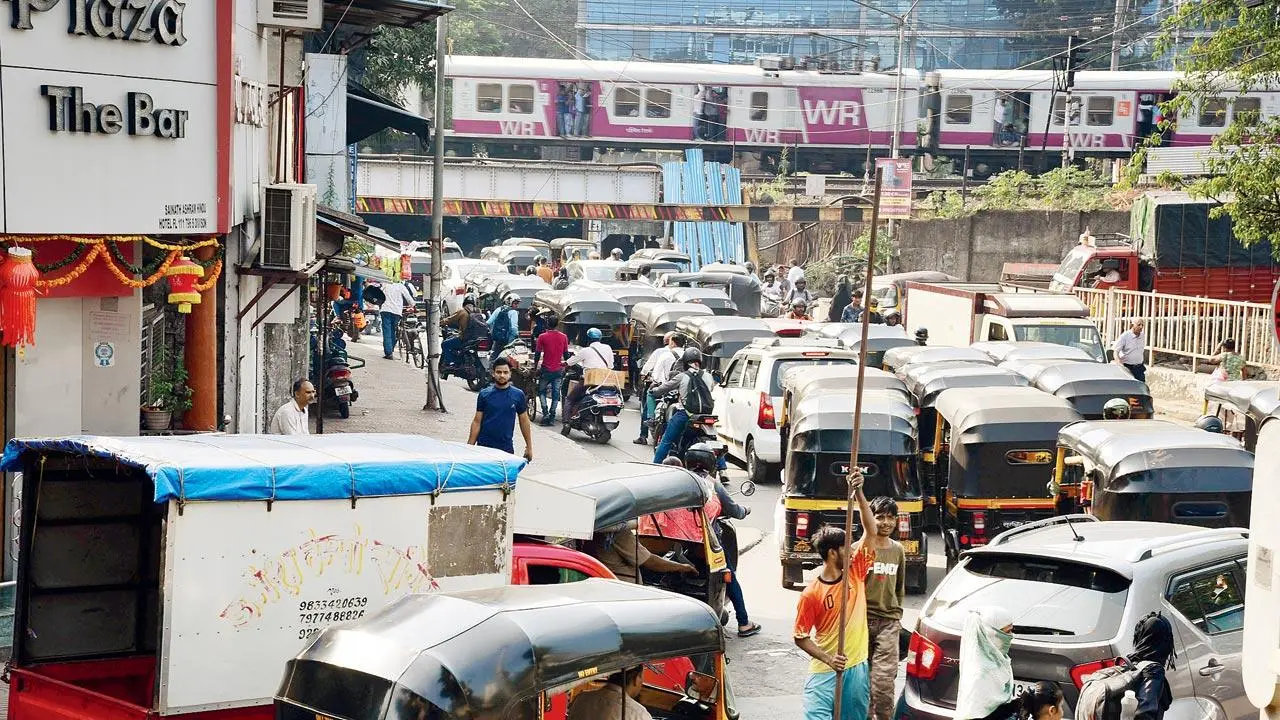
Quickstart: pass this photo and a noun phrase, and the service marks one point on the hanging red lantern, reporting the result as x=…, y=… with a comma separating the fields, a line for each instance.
x=183, y=276
x=18, y=276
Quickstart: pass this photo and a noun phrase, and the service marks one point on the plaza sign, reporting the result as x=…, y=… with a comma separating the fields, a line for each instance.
x=147, y=21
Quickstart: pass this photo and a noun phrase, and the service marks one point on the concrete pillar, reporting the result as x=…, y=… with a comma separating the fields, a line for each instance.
x=201, y=356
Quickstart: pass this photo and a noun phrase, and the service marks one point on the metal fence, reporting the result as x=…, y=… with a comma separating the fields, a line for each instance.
x=1187, y=327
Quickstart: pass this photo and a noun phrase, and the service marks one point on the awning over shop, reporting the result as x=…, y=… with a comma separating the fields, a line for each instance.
x=360, y=19
x=369, y=113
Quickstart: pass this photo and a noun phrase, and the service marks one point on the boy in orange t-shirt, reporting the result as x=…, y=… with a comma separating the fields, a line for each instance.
x=818, y=620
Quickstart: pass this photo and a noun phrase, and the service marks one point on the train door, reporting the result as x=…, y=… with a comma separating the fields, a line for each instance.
x=1011, y=117
x=1149, y=114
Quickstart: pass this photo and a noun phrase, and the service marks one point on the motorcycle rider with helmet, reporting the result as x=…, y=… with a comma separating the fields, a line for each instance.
x=1115, y=409
x=922, y=336
x=691, y=360
x=1209, y=423
x=595, y=355
x=471, y=327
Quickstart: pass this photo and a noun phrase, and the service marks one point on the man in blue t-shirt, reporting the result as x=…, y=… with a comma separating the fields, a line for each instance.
x=497, y=408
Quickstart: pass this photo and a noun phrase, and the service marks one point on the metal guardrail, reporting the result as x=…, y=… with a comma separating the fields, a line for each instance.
x=1187, y=327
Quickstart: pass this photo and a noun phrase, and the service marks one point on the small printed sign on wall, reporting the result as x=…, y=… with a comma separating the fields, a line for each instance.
x=104, y=354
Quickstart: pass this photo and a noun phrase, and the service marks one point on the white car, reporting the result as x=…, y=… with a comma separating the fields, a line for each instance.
x=454, y=284
x=750, y=396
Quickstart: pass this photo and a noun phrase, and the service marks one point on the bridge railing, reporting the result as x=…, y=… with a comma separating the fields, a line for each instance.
x=1187, y=327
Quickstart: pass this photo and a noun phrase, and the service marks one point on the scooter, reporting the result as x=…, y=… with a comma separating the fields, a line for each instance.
x=472, y=364
x=596, y=414
x=336, y=386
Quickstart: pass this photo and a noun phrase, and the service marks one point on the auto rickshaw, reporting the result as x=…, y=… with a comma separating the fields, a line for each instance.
x=1230, y=401
x=997, y=445
x=542, y=246
x=580, y=310
x=897, y=358
x=633, y=269
x=1153, y=470
x=880, y=338
x=675, y=256
x=719, y=338
x=675, y=510
x=713, y=298
x=650, y=321
x=516, y=258
x=511, y=653
x=632, y=293
x=742, y=289
x=808, y=379
x=815, y=490
x=568, y=249
x=1089, y=385
x=1018, y=350
x=891, y=289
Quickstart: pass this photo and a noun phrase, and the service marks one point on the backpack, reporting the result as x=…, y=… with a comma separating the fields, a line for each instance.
x=502, y=326
x=1102, y=691
x=697, y=397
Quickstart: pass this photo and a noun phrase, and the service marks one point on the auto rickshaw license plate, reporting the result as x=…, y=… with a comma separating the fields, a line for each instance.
x=911, y=547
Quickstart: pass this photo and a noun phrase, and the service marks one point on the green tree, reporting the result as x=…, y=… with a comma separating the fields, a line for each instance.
x=1234, y=50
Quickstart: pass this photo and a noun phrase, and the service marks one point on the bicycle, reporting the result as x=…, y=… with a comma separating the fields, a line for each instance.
x=409, y=337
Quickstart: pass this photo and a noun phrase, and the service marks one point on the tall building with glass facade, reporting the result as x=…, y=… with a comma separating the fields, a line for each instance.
x=940, y=34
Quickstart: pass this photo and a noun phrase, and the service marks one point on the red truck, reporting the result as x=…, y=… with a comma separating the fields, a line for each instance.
x=1173, y=247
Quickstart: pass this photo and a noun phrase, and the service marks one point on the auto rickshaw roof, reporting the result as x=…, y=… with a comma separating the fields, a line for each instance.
x=926, y=381
x=730, y=268
x=1124, y=447
x=1078, y=379
x=636, y=264
x=563, y=242
x=711, y=297
x=625, y=491
x=514, y=252
x=852, y=332
x=734, y=280
x=474, y=653
x=1002, y=350
x=636, y=292
x=567, y=302
x=1003, y=414
x=1264, y=404
x=522, y=285
x=661, y=254
x=882, y=411
x=940, y=354
x=657, y=314
x=287, y=467
x=815, y=378
x=1238, y=394
x=526, y=242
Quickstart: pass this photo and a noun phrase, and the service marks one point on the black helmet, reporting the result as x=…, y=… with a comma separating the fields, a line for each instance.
x=690, y=356
x=1115, y=409
x=1209, y=423
x=702, y=457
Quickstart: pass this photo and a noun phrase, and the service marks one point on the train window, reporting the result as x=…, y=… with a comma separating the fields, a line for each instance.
x=626, y=102
x=1247, y=109
x=1100, y=111
x=759, y=106
x=489, y=98
x=520, y=99
x=959, y=110
x=1059, y=106
x=657, y=103
x=1213, y=112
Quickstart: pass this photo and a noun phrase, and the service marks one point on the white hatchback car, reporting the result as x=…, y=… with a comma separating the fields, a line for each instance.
x=750, y=396
x=454, y=283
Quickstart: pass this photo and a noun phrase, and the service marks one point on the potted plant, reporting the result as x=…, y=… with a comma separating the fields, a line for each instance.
x=168, y=393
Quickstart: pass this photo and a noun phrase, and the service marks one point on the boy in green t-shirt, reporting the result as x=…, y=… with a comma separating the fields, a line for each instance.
x=886, y=589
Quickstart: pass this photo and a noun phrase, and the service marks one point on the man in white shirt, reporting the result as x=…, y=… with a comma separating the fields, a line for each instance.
x=614, y=700
x=398, y=298
x=656, y=370
x=596, y=355
x=291, y=418
x=795, y=273
x=1131, y=350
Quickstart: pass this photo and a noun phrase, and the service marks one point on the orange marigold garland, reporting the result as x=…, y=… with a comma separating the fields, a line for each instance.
x=18, y=275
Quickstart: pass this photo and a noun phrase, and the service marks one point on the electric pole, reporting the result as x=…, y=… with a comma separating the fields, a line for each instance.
x=1072, y=64
x=1122, y=8
x=434, y=401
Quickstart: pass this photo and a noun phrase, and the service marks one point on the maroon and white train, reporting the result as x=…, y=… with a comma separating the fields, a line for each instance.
x=829, y=117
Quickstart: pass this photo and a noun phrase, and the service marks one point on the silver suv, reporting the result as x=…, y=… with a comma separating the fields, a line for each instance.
x=1075, y=588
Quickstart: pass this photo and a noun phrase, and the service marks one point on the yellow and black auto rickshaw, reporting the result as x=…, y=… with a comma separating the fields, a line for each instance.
x=1153, y=470
x=998, y=447
x=1089, y=385
x=806, y=380
x=815, y=489
x=895, y=359
x=1242, y=405
x=720, y=338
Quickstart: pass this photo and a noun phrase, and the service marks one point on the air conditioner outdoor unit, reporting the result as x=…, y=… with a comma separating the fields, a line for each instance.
x=292, y=14
x=289, y=227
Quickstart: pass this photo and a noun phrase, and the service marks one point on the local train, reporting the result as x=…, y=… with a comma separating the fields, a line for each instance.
x=1002, y=118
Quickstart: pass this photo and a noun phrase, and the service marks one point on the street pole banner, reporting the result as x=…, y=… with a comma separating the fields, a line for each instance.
x=895, y=195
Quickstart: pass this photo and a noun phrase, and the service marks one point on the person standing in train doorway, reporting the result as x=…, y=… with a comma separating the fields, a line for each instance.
x=582, y=110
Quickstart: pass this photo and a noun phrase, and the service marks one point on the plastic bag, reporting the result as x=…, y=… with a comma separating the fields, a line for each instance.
x=1219, y=374
x=986, y=672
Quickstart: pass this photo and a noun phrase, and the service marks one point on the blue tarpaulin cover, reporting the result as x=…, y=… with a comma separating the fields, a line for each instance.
x=289, y=467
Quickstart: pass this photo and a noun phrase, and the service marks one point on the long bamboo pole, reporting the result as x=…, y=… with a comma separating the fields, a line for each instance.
x=853, y=449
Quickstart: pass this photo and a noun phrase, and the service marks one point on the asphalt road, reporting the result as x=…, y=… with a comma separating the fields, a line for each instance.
x=768, y=670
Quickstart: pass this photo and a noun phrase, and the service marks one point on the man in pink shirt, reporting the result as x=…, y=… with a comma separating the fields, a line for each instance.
x=548, y=353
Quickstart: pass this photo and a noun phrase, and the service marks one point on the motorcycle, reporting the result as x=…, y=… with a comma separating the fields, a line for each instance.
x=472, y=364
x=597, y=412
x=701, y=428
x=336, y=386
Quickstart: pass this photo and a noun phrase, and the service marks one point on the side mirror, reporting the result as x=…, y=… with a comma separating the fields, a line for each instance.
x=702, y=688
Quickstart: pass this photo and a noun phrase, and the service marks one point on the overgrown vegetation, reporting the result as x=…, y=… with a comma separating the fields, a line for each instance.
x=1059, y=189
x=822, y=275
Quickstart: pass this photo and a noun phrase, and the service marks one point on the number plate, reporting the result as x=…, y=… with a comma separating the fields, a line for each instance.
x=1021, y=686
x=482, y=353
x=609, y=401
x=342, y=391
x=911, y=547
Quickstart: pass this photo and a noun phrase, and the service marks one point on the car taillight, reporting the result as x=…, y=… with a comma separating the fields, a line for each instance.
x=764, y=417
x=979, y=523
x=904, y=524
x=923, y=657
x=790, y=332
x=802, y=524
x=459, y=291
x=1080, y=672
x=483, y=344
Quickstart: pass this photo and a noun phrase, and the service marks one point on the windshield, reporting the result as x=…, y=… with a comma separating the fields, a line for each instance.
x=781, y=366
x=463, y=270
x=886, y=294
x=1045, y=596
x=822, y=474
x=1082, y=337
x=451, y=253
x=598, y=273
x=1069, y=271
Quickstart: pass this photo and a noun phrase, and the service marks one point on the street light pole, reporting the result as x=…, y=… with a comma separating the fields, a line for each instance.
x=434, y=401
